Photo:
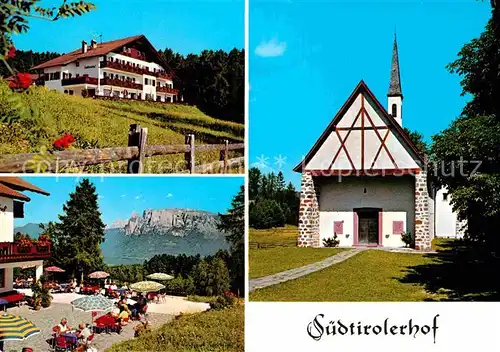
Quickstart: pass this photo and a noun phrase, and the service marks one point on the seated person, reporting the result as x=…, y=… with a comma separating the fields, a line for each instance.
x=123, y=317
x=124, y=305
x=115, y=312
x=113, y=286
x=83, y=333
x=63, y=326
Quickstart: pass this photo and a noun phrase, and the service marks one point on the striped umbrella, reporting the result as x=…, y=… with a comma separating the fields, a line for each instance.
x=160, y=276
x=14, y=327
x=147, y=286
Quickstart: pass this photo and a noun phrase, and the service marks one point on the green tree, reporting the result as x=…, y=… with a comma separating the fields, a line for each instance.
x=80, y=232
x=200, y=275
x=473, y=139
x=418, y=140
x=265, y=214
x=219, y=281
x=254, y=183
x=233, y=224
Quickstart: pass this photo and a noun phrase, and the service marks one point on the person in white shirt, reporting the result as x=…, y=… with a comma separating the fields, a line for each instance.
x=63, y=326
x=83, y=333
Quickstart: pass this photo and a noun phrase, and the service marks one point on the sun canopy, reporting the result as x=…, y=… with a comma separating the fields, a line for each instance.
x=14, y=327
x=93, y=303
x=160, y=276
x=54, y=269
x=99, y=275
x=147, y=286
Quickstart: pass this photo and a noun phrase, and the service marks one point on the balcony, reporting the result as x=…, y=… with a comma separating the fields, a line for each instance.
x=79, y=80
x=164, y=75
x=12, y=252
x=134, y=69
x=125, y=68
x=119, y=83
x=167, y=90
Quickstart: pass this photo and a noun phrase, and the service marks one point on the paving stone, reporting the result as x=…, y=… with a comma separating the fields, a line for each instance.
x=46, y=318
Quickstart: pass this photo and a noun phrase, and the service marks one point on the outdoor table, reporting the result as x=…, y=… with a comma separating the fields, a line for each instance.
x=71, y=337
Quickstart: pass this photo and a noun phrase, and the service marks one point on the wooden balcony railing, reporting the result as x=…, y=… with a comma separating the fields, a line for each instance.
x=167, y=90
x=79, y=80
x=119, y=83
x=13, y=252
x=134, y=69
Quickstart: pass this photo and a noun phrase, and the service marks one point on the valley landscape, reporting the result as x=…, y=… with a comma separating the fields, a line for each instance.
x=155, y=232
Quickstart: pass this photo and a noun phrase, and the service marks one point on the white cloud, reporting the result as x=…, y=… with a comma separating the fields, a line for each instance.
x=100, y=197
x=123, y=196
x=170, y=195
x=270, y=48
x=139, y=196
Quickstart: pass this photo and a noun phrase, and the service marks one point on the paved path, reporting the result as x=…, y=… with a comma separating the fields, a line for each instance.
x=45, y=319
x=295, y=273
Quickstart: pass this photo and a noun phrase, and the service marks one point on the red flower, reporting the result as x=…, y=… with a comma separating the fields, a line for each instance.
x=12, y=52
x=64, y=142
x=21, y=81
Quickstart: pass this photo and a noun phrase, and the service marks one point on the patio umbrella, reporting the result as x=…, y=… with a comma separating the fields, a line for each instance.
x=15, y=328
x=99, y=275
x=147, y=286
x=93, y=304
x=54, y=269
x=160, y=276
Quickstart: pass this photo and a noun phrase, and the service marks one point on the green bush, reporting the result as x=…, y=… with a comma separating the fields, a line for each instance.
x=407, y=239
x=265, y=214
x=211, y=279
x=331, y=242
x=227, y=300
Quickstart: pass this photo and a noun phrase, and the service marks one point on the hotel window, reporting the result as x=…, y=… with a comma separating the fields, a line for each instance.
x=65, y=91
x=77, y=64
x=2, y=278
x=153, y=83
x=71, y=92
x=146, y=81
x=57, y=75
x=445, y=196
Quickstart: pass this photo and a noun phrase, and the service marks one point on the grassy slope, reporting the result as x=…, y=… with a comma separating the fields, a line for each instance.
x=108, y=123
x=263, y=262
x=373, y=275
x=213, y=331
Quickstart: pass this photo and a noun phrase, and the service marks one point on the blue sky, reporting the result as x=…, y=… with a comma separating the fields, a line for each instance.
x=307, y=57
x=185, y=26
x=120, y=196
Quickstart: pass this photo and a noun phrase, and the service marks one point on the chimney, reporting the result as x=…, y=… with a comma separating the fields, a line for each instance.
x=84, y=47
x=93, y=44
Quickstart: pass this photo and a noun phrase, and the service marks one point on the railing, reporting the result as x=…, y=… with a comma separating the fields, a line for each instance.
x=79, y=80
x=13, y=252
x=167, y=90
x=134, y=69
x=135, y=153
x=106, y=81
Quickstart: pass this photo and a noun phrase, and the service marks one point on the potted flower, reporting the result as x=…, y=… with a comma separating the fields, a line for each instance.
x=24, y=244
x=43, y=243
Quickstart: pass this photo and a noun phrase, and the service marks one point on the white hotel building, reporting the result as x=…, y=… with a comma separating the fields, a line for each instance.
x=128, y=68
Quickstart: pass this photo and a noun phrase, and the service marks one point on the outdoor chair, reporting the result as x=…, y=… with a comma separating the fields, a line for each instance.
x=62, y=344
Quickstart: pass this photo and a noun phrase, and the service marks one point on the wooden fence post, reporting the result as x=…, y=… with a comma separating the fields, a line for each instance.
x=137, y=138
x=189, y=156
x=224, y=156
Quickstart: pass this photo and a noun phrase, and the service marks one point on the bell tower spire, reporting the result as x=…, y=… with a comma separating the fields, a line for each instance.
x=395, y=93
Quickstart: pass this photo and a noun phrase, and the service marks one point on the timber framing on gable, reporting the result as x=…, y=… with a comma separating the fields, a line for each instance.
x=364, y=124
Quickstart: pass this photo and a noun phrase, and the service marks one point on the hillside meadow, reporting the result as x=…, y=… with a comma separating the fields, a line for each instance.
x=99, y=123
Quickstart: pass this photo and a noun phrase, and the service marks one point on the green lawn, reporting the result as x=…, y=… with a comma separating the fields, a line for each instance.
x=212, y=331
x=284, y=235
x=263, y=262
x=373, y=275
x=107, y=123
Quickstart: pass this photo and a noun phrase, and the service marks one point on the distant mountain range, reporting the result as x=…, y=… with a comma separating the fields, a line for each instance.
x=170, y=231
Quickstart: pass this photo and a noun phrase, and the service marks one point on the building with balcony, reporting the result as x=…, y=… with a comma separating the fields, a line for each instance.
x=128, y=68
x=15, y=253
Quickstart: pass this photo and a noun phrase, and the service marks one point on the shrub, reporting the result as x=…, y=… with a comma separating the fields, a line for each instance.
x=407, y=239
x=265, y=214
x=227, y=300
x=331, y=242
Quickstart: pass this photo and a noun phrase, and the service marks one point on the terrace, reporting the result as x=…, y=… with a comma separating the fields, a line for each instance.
x=167, y=90
x=130, y=68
